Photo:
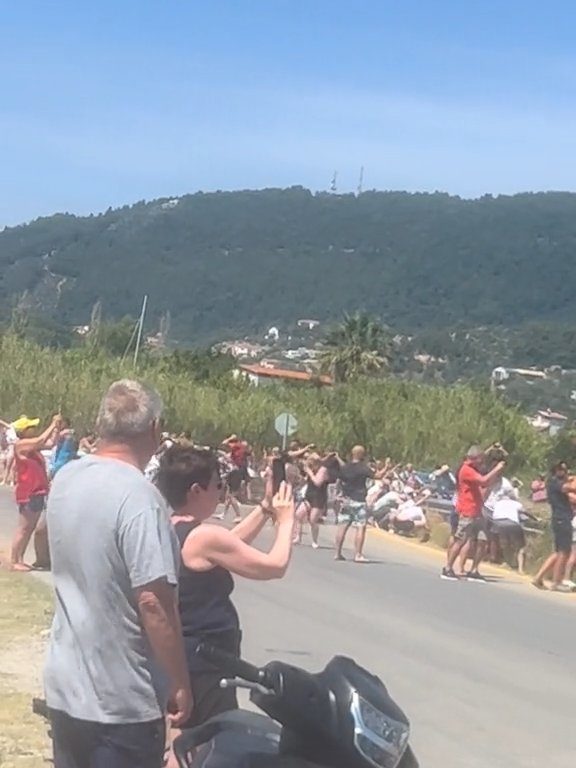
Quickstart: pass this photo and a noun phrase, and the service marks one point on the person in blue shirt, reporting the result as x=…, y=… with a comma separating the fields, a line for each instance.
x=66, y=448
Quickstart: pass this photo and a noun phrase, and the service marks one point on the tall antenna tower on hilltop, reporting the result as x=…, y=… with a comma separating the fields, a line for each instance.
x=333, y=187
x=360, y=188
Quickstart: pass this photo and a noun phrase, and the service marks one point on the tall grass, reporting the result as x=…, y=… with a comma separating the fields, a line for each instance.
x=423, y=424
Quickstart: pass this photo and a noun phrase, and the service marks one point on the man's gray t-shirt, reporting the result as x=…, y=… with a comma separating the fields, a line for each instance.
x=110, y=533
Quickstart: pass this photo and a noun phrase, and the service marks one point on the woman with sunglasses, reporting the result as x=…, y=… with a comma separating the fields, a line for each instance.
x=189, y=479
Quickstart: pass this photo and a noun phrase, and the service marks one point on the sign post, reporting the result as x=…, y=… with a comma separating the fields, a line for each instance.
x=285, y=424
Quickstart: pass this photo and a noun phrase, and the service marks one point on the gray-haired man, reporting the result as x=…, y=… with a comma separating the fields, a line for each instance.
x=116, y=660
x=472, y=528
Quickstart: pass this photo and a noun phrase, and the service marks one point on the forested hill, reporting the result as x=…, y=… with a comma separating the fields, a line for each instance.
x=244, y=260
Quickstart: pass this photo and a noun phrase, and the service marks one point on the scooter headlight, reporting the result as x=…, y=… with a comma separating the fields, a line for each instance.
x=379, y=738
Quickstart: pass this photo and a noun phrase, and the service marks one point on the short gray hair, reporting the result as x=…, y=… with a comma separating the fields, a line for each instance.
x=128, y=410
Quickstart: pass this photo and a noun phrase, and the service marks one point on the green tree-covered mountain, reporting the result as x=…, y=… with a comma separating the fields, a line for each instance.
x=241, y=261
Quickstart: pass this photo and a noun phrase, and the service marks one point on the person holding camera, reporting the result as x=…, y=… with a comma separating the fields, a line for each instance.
x=32, y=484
x=189, y=479
x=472, y=527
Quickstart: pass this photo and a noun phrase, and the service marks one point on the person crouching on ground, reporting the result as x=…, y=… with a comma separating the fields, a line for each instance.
x=31, y=490
x=410, y=516
x=190, y=481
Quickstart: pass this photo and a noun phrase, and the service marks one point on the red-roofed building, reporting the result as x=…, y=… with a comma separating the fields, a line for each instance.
x=260, y=374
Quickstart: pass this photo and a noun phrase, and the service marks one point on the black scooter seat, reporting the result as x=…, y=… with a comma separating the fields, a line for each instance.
x=228, y=740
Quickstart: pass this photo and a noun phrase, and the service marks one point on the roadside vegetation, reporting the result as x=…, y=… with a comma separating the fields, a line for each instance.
x=424, y=424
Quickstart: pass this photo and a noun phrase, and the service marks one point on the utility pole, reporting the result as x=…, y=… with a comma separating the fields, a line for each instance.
x=140, y=327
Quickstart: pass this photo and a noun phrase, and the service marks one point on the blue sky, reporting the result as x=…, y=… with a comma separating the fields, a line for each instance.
x=109, y=102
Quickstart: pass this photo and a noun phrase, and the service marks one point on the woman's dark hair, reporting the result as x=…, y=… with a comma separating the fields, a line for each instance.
x=183, y=466
x=559, y=465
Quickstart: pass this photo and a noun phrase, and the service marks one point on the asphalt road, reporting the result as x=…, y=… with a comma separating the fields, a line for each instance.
x=486, y=673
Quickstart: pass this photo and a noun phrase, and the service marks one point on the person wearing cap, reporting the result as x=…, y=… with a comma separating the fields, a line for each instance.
x=470, y=486
x=31, y=489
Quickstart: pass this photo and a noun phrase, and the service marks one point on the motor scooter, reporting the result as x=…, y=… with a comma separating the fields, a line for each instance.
x=341, y=717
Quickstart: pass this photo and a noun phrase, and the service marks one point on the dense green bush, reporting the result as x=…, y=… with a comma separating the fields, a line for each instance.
x=424, y=424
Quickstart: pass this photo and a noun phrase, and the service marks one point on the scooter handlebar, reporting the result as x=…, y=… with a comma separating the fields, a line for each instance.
x=229, y=664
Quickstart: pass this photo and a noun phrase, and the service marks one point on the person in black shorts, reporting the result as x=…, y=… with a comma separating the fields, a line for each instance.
x=559, y=487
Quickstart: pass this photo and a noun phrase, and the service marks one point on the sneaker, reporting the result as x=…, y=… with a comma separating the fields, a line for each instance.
x=315, y=545
x=475, y=576
x=561, y=588
x=219, y=516
x=448, y=574
x=569, y=583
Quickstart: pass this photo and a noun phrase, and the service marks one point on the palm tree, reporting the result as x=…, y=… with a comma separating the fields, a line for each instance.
x=359, y=346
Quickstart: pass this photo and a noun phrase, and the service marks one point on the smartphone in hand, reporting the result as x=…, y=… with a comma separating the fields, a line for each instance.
x=278, y=474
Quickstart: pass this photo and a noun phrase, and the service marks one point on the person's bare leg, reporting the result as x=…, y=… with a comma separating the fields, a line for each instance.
x=315, y=515
x=10, y=471
x=235, y=504
x=340, y=538
x=479, y=552
x=359, y=541
x=27, y=522
x=559, y=568
x=41, y=548
x=301, y=517
x=471, y=554
x=464, y=555
x=571, y=564
x=453, y=553
x=521, y=557
x=547, y=566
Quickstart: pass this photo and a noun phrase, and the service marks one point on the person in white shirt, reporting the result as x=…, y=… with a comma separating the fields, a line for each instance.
x=501, y=489
x=507, y=518
x=410, y=516
x=7, y=443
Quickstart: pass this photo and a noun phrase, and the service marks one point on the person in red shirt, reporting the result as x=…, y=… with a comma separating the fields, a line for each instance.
x=31, y=489
x=470, y=486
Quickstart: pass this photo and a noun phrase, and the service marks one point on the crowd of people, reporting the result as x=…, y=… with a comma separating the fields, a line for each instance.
x=141, y=579
x=487, y=507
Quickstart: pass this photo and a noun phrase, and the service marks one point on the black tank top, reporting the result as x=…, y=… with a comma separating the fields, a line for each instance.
x=317, y=496
x=204, y=596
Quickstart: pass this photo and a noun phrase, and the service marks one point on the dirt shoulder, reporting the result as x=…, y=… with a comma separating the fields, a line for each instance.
x=25, y=614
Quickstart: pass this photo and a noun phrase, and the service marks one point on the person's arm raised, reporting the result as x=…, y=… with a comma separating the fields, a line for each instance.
x=485, y=480
x=218, y=546
x=318, y=478
x=42, y=441
x=250, y=527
